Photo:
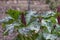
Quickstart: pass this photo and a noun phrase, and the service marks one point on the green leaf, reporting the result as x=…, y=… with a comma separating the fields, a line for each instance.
x=13, y=13
x=53, y=20
x=3, y=25
x=5, y=32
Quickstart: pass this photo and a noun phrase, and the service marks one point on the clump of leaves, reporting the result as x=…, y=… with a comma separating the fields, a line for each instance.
x=13, y=13
x=31, y=26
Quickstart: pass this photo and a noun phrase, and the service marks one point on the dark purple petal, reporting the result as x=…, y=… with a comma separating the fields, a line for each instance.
x=54, y=26
x=23, y=20
x=58, y=18
x=58, y=9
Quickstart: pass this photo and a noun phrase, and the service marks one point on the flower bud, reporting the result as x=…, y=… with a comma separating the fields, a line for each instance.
x=23, y=20
x=58, y=16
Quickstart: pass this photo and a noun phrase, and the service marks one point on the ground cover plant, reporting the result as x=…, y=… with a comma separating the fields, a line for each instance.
x=31, y=25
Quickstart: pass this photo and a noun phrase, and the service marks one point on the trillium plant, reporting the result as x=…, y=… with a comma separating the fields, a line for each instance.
x=31, y=25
